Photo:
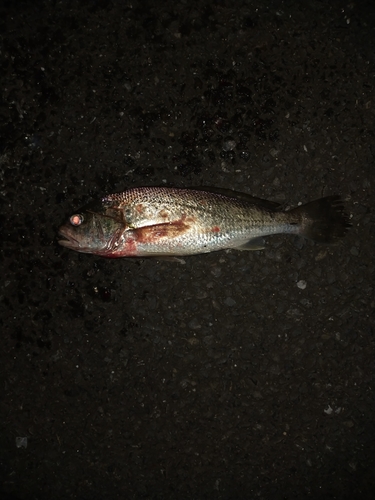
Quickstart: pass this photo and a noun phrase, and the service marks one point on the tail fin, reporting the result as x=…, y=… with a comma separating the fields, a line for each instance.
x=323, y=220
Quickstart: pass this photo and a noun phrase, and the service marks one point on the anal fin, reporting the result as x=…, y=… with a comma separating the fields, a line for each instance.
x=253, y=244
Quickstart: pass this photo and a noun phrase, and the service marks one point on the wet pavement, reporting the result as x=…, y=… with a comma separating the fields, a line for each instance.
x=236, y=375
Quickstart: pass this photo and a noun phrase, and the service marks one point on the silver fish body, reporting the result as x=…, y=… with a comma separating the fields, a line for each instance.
x=159, y=221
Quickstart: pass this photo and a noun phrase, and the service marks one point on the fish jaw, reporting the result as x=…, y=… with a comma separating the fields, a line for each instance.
x=69, y=240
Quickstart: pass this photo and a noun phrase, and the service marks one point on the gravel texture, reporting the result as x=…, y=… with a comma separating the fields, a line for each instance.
x=236, y=375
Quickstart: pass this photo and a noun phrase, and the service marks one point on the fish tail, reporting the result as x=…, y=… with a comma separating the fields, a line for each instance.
x=323, y=220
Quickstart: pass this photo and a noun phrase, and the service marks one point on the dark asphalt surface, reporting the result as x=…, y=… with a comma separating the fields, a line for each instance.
x=238, y=375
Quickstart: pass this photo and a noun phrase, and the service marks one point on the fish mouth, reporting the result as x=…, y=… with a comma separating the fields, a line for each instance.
x=68, y=241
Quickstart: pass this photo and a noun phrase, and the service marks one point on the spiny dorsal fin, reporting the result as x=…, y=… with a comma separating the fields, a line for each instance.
x=229, y=193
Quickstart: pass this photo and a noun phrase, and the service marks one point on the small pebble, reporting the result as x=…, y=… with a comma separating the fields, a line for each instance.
x=229, y=302
x=301, y=284
x=21, y=442
x=229, y=145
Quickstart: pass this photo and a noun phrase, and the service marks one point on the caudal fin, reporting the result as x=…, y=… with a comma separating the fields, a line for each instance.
x=323, y=220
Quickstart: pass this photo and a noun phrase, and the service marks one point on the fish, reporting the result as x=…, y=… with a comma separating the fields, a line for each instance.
x=171, y=222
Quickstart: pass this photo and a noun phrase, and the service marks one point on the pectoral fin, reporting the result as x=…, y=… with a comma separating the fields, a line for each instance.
x=157, y=232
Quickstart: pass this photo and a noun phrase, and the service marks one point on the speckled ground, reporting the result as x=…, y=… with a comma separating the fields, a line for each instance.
x=234, y=376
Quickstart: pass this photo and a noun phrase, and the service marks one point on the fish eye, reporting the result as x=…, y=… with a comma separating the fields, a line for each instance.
x=76, y=219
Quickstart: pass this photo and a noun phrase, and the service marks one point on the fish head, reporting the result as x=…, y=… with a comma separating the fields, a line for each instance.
x=96, y=229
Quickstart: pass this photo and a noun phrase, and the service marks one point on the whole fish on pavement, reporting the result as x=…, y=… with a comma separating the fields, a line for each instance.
x=162, y=221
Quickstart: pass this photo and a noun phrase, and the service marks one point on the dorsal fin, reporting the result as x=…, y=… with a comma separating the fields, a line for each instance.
x=270, y=205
